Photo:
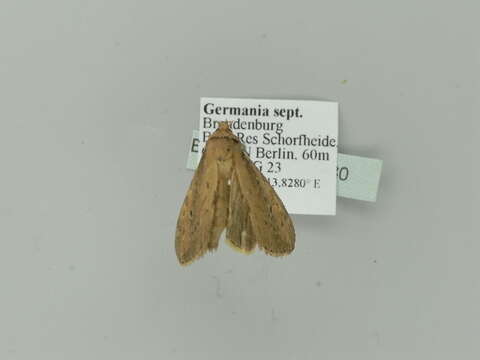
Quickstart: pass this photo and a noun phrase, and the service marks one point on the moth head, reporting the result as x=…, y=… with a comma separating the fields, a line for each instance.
x=223, y=142
x=223, y=131
x=223, y=126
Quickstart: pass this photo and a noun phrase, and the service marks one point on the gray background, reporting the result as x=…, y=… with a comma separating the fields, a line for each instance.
x=98, y=101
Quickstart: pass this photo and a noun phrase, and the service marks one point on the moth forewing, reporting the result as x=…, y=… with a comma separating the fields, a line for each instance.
x=270, y=222
x=194, y=230
x=228, y=191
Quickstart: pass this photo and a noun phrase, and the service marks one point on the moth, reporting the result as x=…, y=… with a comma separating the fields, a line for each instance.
x=229, y=192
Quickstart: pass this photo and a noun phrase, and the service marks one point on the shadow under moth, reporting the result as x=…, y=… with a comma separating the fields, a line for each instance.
x=228, y=191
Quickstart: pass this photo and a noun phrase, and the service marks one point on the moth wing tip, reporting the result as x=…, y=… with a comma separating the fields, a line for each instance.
x=185, y=262
x=279, y=253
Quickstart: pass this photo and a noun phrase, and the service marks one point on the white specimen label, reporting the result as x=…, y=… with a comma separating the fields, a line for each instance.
x=293, y=143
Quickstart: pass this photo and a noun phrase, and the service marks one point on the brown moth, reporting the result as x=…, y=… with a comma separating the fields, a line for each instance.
x=228, y=191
